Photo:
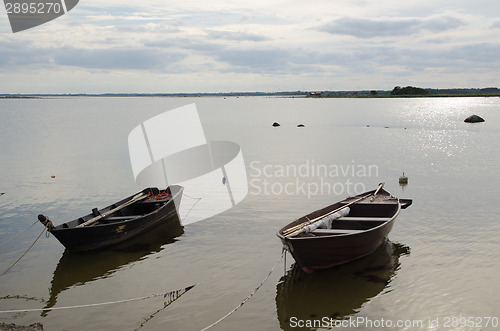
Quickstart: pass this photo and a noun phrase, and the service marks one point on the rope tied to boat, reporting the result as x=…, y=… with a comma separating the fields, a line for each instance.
x=17, y=235
x=248, y=297
x=169, y=296
x=46, y=222
x=190, y=209
x=46, y=228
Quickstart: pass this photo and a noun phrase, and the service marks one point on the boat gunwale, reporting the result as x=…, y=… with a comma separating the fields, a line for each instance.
x=74, y=223
x=323, y=236
x=327, y=236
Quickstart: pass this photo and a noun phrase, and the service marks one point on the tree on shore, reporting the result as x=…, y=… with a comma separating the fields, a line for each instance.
x=409, y=90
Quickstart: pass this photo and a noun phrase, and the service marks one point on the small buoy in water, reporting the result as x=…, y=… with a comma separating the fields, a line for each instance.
x=52, y=176
x=403, y=180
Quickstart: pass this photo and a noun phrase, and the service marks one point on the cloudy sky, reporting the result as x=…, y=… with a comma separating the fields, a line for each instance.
x=168, y=46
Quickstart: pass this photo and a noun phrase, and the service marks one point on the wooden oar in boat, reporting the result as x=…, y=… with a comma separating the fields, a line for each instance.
x=376, y=192
x=136, y=198
x=293, y=230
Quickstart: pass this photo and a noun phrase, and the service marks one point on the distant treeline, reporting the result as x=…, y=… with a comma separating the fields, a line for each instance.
x=408, y=91
x=180, y=94
x=479, y=91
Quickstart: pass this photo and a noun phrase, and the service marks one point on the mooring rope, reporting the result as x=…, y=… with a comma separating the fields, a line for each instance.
x=189, y=211
x=171, y=296
x=247, y=298
x=19, y=259
x=17, y=235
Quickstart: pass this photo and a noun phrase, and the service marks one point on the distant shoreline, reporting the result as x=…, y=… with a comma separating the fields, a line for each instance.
x=376, y=94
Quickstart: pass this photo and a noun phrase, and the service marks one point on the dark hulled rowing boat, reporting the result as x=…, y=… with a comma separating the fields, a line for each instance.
x=343, y=231
x=120, y=221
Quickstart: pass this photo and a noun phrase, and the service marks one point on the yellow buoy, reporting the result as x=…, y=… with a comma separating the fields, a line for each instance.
x=403, y=180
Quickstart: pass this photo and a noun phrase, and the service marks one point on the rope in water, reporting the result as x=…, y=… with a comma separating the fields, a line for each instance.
x=247, y=298
x=17, y=235
x=189, y=211
x=172, y=296
x=3, y=273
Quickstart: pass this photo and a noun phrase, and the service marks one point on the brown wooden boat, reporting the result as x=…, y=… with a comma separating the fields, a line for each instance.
x=120, y=221
x=343, y=231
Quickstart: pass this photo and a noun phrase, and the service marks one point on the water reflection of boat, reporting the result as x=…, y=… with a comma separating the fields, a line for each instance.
x=80, y=269
x=337, y=292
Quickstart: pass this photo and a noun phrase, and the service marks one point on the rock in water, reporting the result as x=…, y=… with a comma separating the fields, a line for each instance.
x=276, y=124
x=474, y=119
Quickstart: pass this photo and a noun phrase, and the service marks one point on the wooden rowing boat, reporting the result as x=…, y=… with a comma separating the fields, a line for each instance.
x=359, y=226
x=120, y=221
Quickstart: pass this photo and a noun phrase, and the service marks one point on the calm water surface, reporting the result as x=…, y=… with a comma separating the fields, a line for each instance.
x=441, y=260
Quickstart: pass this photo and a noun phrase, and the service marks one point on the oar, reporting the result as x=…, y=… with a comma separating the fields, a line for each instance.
x=136, y=198
x=376, y=192
x=288, y=232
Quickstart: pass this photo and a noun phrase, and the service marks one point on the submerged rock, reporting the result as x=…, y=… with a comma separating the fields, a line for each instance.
x=276, y=124
x=474, y=119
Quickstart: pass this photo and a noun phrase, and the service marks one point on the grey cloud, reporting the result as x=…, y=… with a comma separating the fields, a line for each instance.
x=292, y=61
x=16, y=55
x=365, y=58
x=170, y=55
x=185, y=44
x=368, y=58
x=441, y=23
x=22, y=54
x=256, y=60
x=363, y=28
x=236, y=35
x=465, y=57
x=114, y=58
x=481, y=54
x=496, y=24
x=367, y=28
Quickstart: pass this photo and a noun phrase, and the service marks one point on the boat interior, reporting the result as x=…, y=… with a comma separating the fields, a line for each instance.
x=362, y=217
x=154, y=200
